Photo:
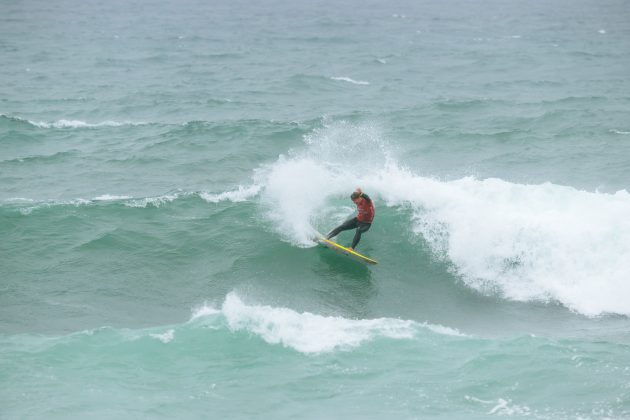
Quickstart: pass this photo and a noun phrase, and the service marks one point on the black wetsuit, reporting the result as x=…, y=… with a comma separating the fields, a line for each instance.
x=351, y=224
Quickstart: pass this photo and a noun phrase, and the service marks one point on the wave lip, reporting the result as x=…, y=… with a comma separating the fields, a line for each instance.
x=311, y=333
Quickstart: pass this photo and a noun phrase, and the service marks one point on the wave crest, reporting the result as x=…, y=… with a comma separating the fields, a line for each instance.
x=311, y=333
x=541, y=242
x=65, y=123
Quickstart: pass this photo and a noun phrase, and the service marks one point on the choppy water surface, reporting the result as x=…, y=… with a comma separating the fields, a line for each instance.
x=163, y=166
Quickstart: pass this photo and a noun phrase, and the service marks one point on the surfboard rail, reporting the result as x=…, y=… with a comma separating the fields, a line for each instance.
x=321, y=239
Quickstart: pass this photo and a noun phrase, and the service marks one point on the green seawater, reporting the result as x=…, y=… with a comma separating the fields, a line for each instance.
x=164, y=165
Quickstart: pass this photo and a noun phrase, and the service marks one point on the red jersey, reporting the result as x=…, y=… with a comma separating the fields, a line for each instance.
x=365, y=209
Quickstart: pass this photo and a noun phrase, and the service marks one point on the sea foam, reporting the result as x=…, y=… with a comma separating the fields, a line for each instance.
x=525, y=242
x=541, y=242
x=311, y=333
x=296, y=189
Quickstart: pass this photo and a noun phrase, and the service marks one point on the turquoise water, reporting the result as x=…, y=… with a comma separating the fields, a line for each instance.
x=164, y=164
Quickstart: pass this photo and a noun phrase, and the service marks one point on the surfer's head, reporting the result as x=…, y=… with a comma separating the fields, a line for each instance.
x=355, y=195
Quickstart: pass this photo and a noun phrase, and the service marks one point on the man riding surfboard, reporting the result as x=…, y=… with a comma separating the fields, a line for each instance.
x=362, y=222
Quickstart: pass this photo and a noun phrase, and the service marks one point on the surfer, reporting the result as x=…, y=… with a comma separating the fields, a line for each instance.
x=362, y=222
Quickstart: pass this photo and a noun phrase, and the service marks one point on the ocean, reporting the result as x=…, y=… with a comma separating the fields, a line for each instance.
x=164, y=166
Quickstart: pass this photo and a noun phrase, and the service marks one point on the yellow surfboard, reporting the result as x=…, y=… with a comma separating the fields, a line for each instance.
x=321, y=239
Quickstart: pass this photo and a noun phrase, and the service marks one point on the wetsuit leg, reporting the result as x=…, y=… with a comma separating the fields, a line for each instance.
x=347, y=225
x=362, y=227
